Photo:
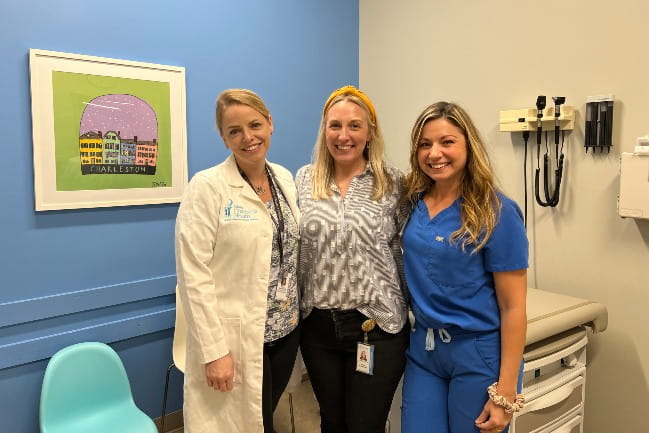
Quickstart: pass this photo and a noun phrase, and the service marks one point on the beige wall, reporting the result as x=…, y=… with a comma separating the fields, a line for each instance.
x=496, y=55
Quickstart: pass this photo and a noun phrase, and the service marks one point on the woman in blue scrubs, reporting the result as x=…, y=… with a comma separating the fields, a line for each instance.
x=465, y=254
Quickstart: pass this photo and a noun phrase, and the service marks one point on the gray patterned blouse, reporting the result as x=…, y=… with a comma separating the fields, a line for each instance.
x=350, y=257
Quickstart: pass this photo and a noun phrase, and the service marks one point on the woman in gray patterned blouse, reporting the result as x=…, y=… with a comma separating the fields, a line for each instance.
x=350, y=269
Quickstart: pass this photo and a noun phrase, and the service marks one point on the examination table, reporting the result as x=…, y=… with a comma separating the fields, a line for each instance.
x=554, y=378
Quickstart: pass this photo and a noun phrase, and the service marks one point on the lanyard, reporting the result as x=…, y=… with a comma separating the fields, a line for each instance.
x=279, y=223
x=280, y=215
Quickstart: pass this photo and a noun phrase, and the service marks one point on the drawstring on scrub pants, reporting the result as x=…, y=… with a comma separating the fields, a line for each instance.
x=430, y=338
x=430, y=334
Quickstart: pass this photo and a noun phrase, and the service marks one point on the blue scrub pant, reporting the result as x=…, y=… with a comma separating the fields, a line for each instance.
x=445, y=389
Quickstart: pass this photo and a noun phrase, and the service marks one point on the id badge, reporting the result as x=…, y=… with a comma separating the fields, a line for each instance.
x=281, y=292
x=365, y=358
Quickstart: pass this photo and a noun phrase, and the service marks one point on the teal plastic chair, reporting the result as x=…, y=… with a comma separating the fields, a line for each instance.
x=86, y=389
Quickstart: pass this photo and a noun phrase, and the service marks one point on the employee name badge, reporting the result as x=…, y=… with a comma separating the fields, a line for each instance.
x=283, y=281
x=365, y=358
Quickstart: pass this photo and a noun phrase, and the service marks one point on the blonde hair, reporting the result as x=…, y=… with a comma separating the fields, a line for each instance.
x=480, y=207
x=241, y=97
x=323, y=163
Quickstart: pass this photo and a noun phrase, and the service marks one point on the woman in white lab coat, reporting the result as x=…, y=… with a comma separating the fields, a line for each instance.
x=236, y=252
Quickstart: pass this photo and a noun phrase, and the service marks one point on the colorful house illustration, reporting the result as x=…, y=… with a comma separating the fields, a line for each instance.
x=127, y=151
x=111, y=144
x=130, y=144
x=146, y=152
x=91, y=148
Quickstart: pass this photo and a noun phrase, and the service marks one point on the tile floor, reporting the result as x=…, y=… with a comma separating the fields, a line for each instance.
x=306, y=414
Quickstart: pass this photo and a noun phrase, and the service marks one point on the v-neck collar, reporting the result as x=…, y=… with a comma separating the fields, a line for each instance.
x=425, y=216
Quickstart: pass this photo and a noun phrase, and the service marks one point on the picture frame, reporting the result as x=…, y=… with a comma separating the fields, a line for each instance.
x=106, y=132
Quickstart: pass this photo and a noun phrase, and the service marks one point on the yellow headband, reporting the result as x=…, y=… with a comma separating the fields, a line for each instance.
x=351, y=90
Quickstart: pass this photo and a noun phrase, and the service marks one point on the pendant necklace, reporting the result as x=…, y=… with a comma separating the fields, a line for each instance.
x=260, y=190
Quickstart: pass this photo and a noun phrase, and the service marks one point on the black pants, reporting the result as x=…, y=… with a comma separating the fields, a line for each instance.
x=351, y=402
x=279, y=358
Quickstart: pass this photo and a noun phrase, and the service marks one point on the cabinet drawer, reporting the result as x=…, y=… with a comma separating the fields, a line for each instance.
x=572, y=425
x=546, y=409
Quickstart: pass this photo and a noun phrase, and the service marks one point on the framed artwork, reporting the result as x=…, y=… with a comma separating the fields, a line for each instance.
x=106, y=132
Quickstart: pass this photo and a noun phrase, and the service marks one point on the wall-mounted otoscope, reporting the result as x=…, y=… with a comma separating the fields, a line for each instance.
x=540, y=106
x=558, y=118
x=558, y=100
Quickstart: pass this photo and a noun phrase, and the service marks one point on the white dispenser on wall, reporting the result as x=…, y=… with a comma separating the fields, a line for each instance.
x=633, y=201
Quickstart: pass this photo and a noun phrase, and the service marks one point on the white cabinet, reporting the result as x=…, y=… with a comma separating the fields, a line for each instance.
x=554, y=385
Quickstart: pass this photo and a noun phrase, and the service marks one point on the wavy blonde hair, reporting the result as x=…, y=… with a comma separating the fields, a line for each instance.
x=480, y=207
x=323, y=163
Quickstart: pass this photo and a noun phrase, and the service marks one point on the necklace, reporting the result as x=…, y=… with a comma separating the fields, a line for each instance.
x=260, y=190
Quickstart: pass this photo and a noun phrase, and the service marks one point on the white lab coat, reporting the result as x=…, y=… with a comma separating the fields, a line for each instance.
x=223, y=250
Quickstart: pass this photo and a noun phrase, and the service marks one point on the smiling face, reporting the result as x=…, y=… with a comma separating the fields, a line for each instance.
x=442, y=152
x=246, y=132
x=347, y=133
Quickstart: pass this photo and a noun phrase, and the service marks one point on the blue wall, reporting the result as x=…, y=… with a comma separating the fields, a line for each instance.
x=108, y=274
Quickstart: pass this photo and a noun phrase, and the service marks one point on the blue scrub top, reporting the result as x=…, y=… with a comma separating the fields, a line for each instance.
x=450, y=288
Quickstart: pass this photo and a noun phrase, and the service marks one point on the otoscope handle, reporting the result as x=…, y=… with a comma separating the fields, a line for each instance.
x=537, y=193
x=558, y=174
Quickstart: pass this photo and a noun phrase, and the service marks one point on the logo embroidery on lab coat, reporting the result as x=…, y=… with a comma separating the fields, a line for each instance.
x=235, y=212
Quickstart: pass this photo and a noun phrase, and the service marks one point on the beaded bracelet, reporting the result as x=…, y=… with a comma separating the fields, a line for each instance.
x=510, y=407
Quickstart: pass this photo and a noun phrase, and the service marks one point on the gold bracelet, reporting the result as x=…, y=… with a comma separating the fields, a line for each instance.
x=510, y=407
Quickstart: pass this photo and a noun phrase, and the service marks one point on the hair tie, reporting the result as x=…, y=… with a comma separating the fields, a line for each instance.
x=351, y=90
